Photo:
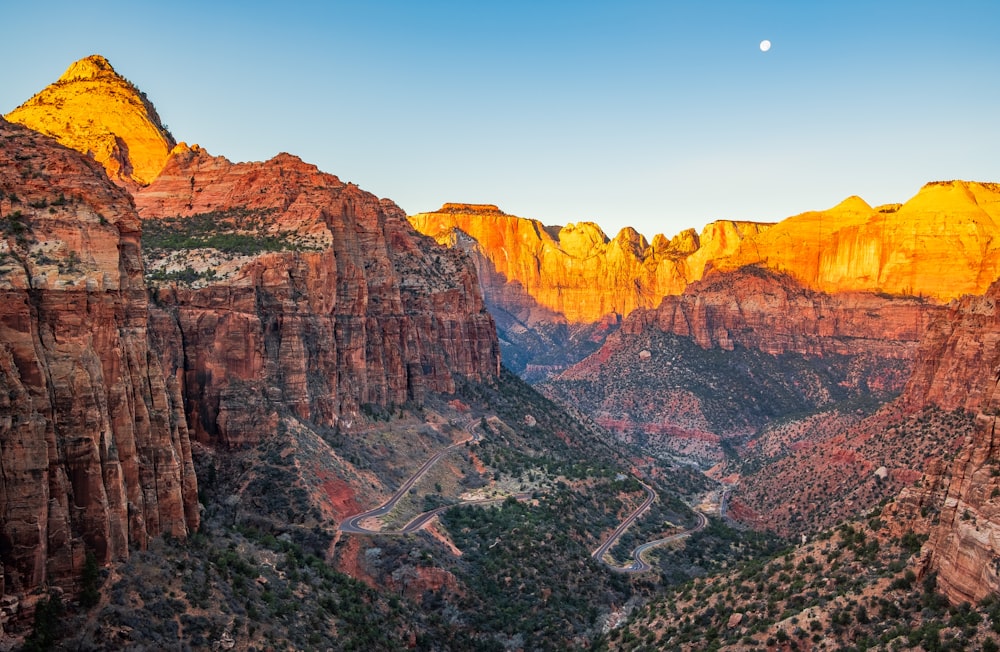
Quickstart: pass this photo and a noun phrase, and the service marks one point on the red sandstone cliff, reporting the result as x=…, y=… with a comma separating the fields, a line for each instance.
x=957, y=367
x=759, y=309
x=353, y=307
x=738, y=350
x=94, y=456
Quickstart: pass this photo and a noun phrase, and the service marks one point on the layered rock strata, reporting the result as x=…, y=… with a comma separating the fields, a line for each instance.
x=756, y=308
x=348, y=307
x=576, y=271
x=959, y=366
x=941, y=244
x=737, y=350
x=94, y=455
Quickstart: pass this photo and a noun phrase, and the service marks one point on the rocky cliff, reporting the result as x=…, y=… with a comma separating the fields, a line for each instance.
x=759, y=309
x=576, y=271
x=940, y=244
x=958, y=366
x=94, y=110
x=543, y=283
x=738, y=350
x=556, y=292
x=290, y=291
x=93, y=446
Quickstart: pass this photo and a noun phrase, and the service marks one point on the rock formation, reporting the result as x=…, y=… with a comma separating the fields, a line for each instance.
x=576, y=271
x=958, y=366
x=545, y=283
x=349, y=307
x=94, y=110
x=556, y=292
x=93, y=446
x=737, y=350
x=940, y=244
x=756, y=308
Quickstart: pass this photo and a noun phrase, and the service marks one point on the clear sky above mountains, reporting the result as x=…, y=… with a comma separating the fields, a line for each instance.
x=659, y=115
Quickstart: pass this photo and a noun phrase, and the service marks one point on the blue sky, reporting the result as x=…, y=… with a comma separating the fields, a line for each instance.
x=659, y=115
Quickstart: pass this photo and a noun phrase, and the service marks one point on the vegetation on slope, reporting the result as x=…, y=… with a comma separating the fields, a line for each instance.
x=850, y=589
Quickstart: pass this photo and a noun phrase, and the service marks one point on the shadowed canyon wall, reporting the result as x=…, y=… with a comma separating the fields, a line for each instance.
x=351, y=308
x=93, y=446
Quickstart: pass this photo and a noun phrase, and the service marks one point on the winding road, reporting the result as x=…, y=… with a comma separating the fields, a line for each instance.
x=639, y=565
x=353, y=524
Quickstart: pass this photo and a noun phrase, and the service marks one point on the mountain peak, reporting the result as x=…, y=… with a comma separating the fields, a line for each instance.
x=96, y=111
x=92, y=67
x=853, y=204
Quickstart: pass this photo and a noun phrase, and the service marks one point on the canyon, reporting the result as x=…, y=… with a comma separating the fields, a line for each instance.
x=259, y=350
x=111, y=377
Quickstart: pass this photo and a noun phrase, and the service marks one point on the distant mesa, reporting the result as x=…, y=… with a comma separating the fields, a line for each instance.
x=474, y=209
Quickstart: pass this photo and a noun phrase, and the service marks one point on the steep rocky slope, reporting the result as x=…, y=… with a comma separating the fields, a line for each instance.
x=959, y=365
x=940, y=244
x=556, y=292
x=282, y=305
x=93, y=446
x=94, y=110
x=939, y=433
x=286, y=290
x=738, y=350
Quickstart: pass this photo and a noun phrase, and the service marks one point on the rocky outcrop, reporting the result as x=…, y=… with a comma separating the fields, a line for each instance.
x=94, y=456
x=94, y=110
x=940, y=244
x=576, y=271
x=758, y=309
x=347, y=306
x=737, y=351
x=964, y=548
x=541, y=282
x=957, y=367
x=557, y=292
x=959, y=356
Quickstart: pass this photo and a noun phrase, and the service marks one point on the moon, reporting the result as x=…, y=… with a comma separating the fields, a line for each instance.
x=765, y=45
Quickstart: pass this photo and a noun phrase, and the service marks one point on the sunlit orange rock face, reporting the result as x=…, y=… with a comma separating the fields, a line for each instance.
x=941, y=244
x=95, y=450
x=357, y=309
x=94, y=110
x=576, y=271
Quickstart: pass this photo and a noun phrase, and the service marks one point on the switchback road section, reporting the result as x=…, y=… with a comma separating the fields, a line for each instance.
x=639, y=565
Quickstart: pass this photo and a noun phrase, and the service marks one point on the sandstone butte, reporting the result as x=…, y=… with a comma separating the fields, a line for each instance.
x=94, y=110
x=941, y=244
x=95, y=451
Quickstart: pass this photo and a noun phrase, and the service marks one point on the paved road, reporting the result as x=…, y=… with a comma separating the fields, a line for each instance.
x=422, y=519
x=352, y=524
x=638, y=564
x=604, y=547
